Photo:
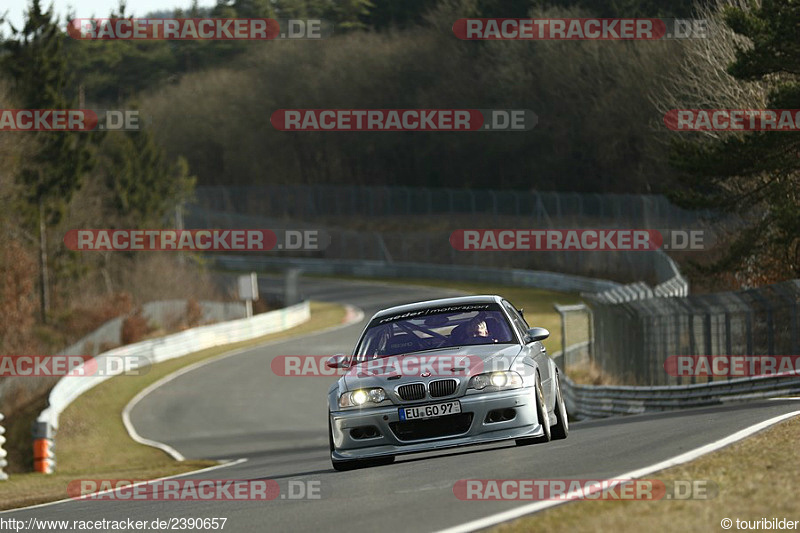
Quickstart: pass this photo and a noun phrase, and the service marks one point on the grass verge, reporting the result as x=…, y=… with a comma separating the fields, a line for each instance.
x=756, y=477
x=92, y=441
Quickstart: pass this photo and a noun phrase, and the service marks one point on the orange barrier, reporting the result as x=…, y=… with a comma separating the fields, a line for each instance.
x=44, y=458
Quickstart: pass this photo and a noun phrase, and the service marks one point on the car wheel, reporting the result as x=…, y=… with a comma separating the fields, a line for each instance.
x=544, y=418
x=561, y=429
x=352, y=464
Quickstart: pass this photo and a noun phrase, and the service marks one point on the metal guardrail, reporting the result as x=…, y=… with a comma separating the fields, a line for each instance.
x=671, y=284
x=524, y=278
x=599, y=401
x=71, y=387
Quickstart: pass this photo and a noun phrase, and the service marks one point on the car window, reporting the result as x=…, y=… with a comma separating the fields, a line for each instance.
x=516, y=319
x=427, y=329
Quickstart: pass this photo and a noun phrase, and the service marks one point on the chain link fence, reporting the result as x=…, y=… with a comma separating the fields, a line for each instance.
x=433, y=246
x=634, y=339
x=577, y=336
x=314, y=202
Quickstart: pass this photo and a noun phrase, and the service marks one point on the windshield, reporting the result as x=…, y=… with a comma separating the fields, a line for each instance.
x=434, y=328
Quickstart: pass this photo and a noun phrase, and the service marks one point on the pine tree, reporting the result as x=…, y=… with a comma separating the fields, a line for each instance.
x=755, y=174
x=40, y=79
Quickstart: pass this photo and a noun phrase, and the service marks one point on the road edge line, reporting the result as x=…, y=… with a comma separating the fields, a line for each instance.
x=353, y=315
x=519, y=512
x=65, y=500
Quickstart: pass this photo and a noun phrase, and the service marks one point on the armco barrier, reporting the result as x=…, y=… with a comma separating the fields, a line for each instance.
x=671, y=284
x=69, y=388
x=590, y=401
x=369, y=269
x=598, y=401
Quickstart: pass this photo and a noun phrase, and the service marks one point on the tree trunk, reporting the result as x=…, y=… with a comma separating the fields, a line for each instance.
x=44, y=277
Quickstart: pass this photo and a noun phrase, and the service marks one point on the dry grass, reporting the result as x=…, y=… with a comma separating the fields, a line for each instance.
x=757, y=478
x=588, y=373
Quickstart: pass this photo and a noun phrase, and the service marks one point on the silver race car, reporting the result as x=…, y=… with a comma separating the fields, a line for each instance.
x=440, y=374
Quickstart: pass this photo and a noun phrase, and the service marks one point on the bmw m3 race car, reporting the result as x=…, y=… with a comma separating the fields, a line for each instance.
x=440, y=374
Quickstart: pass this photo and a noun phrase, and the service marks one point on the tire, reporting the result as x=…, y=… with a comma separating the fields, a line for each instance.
x=352, y=464
x=561, y=429
x=544, y=418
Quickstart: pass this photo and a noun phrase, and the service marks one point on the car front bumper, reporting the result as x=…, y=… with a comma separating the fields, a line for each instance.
x=524, y=424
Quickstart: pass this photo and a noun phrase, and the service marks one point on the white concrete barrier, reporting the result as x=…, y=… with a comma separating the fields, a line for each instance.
x=152, y=351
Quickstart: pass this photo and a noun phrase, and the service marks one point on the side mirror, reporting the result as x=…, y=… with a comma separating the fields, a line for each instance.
x=521, y=312
x=338, y=361
x=537, y=334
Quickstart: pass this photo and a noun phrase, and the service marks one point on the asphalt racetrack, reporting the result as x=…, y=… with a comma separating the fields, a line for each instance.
x=237, y=408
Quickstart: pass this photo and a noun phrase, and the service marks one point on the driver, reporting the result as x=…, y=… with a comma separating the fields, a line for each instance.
x=477, y=328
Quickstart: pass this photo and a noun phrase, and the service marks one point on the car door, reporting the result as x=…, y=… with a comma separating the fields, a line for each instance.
x=535, y=350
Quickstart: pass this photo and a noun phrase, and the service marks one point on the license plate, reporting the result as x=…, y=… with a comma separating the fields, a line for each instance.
x=430, y=411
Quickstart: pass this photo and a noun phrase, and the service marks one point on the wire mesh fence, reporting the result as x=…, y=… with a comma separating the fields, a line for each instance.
x=634, y=339
x=310, y=202
x=433, y=246
x=577, y=336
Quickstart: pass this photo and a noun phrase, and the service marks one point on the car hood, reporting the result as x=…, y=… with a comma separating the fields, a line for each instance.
x=449, y=362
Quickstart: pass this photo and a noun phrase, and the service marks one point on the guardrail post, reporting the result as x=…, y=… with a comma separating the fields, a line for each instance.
x=591, y=334
x=3, y=453
x=44, y=457
x=291, y=289
x=561, y=314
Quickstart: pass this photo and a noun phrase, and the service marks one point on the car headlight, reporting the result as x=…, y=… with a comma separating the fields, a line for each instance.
x=360, y=397
x=496, y=380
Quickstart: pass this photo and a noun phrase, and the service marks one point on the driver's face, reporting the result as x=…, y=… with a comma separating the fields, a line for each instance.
x=481, y=330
